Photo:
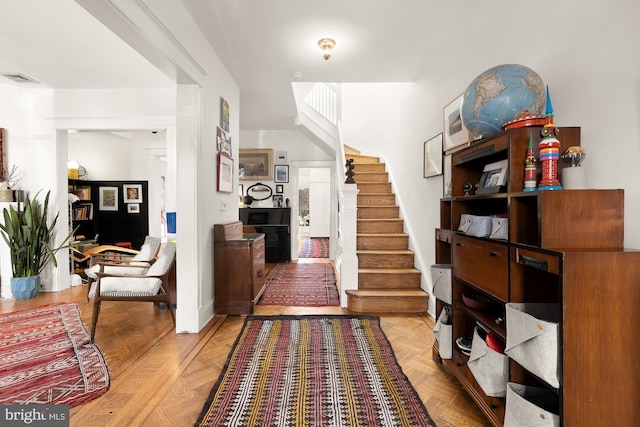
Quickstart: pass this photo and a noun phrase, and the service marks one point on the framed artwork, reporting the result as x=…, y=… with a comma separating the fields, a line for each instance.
x=446, y=176
x=277, y=200
x=455, y=134
x=279, y=189
x=281, y=173
x=241, y=190
x=223, y=141
x=132, y=193
x=433, y=156
x=108, y=198
x=494, y=177
x=224, y=115
x=256, y=164
x=281, y=157
x=133, y=208
x=225, y=173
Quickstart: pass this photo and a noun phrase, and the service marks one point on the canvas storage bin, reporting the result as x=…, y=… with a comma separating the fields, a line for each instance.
x=499, y=228
x=489, y=368
x=443, y=332
x=441, y=279
x=528, y=406
x=532, y=338
x=475, y=225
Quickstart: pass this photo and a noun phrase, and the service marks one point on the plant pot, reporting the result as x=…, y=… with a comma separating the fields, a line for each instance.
x=25, y=287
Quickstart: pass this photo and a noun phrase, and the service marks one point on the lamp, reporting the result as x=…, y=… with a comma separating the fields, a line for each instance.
x=326, y=45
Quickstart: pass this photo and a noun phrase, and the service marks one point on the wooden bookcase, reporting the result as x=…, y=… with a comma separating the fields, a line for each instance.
x=564, y=248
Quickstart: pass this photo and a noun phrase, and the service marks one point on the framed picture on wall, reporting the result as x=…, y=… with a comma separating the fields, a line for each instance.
x=133, y=208
x=433, y=156
x=108, y=198
x=455, y=134
x=132, y=193
x=224, y=114
x=256, y=164
x=279, y=188
x=225, y=173
x=281, y=173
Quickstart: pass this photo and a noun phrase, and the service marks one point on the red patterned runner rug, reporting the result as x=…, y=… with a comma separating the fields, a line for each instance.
x=313, y=371
x=316, y=247
x=46, y=358
x=301, y=284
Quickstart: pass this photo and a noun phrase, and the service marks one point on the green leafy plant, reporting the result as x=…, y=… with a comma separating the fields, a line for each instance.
x=28, y=235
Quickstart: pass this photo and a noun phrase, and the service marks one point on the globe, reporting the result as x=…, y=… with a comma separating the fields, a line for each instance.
x=499, y=95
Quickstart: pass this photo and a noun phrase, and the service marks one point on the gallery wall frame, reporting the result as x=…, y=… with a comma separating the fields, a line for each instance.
x=255, y=164
x=133, y=208
x=108, y=198
x=433, y=156
x=225, y=173
x=224, y=114
x=279, y=188
x=456, y=135
x=281, y=173
x=223, y=141
x=132, y=193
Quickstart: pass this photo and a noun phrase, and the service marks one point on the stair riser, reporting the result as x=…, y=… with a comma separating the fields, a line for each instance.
x=371, y=177
x=376, y=199
x=400, y=242
x=388, y=280
x=375, y=187
x=382, y=226
x=406, y=305
x=378, y=212
x=385, y=261
x=369, y=167
x=358, y=158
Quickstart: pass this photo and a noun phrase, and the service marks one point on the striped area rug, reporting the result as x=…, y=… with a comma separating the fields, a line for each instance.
x=46, y=357
x=315, y=247
x=301, y=284
x=313, y=371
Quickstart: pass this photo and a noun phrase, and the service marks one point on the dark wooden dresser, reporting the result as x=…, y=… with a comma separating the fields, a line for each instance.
x=239, y=268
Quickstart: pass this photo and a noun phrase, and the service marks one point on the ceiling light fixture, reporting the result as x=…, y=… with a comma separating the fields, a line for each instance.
x=326, y=45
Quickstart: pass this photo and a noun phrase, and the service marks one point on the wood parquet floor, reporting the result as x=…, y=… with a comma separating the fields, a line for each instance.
x=159, y=378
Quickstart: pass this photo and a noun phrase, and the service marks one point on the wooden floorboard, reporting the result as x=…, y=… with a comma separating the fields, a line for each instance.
x=159, y=378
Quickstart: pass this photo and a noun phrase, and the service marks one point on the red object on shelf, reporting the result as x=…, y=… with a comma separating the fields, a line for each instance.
x=494, y=343
x=124, y=245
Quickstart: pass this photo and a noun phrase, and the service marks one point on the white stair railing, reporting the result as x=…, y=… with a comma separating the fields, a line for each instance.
x=323, y=98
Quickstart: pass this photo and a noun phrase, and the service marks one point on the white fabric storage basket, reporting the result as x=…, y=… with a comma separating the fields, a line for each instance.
x=525, y=407
x=499, y=228
x=441, y=279
x=532, y=338
x=443, y=332
x=475, y=225
x=490, y=368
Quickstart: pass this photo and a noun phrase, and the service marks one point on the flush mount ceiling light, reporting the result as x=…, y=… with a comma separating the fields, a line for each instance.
x=326, y=45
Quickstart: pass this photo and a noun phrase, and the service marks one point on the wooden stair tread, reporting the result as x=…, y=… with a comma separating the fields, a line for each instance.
x=389, y=270
x=380, y=219
x=387, y=292
x=384, y=251
x=382, y=235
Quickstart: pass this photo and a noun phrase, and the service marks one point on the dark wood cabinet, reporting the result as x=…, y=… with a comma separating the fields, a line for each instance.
x=564, y=250
x=239, y=262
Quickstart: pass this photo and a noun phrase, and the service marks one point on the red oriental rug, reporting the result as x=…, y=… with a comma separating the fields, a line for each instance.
x=317, y=247
x=46, y=358
x=301, y=284
x=313, y=371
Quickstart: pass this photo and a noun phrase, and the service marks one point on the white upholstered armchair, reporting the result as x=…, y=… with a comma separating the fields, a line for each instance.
x=150, y=285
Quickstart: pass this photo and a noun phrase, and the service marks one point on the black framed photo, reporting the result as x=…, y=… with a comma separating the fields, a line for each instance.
x=494, y=178
x=279, y=188
x=281, y=173
x=433, y=156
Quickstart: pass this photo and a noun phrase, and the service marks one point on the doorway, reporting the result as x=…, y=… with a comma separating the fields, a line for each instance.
x=314, y=212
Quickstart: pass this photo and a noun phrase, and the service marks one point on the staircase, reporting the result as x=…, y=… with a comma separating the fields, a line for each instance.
x=387, y=279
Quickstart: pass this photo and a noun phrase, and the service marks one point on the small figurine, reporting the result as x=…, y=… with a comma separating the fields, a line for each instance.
x=349, y=172
x=549, y=151
x=467, y=188
x=530, y=168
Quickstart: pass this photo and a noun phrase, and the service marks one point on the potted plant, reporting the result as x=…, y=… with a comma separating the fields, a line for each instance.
x=28, y=234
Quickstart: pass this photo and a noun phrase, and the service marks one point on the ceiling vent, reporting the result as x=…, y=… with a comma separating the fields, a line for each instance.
x=19, y=78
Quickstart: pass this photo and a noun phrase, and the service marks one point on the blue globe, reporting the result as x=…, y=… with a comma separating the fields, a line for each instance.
x=500, y=94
